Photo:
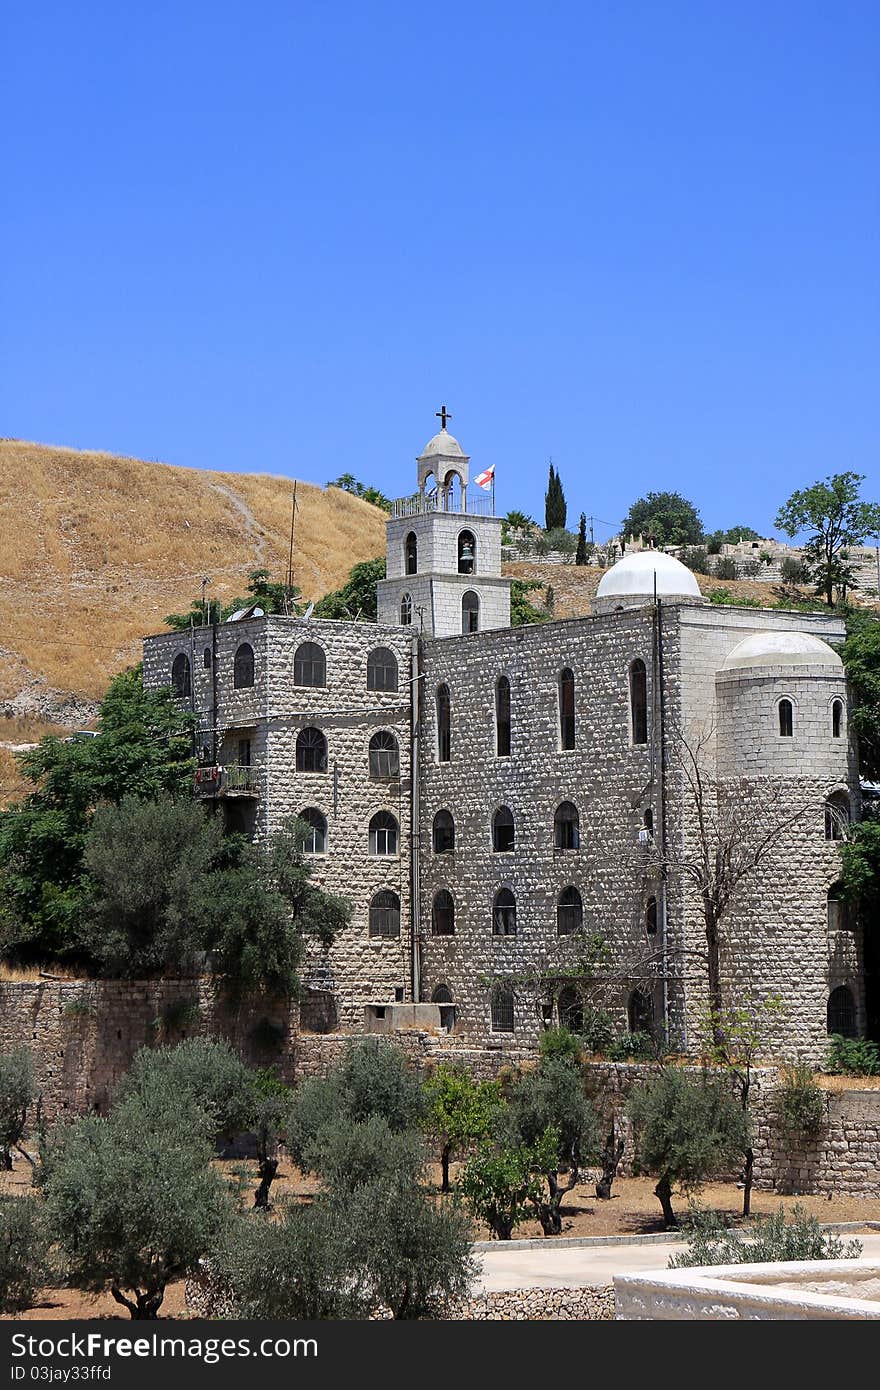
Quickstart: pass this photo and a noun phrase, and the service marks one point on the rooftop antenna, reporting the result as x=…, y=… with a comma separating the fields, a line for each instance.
x=288, y=594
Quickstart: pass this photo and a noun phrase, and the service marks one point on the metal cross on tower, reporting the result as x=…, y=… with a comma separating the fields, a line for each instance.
x=443, y=415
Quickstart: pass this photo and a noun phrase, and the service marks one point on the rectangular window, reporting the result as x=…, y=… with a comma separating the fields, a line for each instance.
x=244, y=752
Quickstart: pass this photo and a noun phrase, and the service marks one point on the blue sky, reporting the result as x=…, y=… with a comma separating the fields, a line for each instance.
x=641, y=238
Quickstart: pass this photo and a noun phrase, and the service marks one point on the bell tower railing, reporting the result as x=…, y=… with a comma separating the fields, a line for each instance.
x=420, y=504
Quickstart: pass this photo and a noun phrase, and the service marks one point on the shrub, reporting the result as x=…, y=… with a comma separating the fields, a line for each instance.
x=559, y=1044
x=853, y=1056
x=203, y=1073
x=16, y=1094
x=631, y=1047
x=23, y=1252
x=772, y=1239
x=800, y=1105
x=696, y=557
x=597, y=1033
x=80, y=1007
x=794, y=571
x=724, y=567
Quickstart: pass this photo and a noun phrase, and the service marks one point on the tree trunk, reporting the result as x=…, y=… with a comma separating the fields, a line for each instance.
x=145, y=1306
x=611, y=1156
x=445, y=1154
x=267, y=1170
x=6, y=1161
x=663, y=1191
x=716, y=1002
x=748, y=1174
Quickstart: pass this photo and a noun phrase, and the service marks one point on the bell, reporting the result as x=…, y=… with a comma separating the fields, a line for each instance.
x=466, y=558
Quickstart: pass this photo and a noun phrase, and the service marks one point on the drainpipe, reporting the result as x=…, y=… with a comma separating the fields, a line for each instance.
x=415, y=820
x=661, y=805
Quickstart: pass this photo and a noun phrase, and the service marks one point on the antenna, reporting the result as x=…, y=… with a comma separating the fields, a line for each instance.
x=288, y=597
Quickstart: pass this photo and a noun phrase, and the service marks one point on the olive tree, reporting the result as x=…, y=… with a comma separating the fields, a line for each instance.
x=459, y=1113
x=551, y=1116
x=16, y=1094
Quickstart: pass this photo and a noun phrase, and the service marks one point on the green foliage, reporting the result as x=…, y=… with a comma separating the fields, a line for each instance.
x=696, y=557
x=597, y=1033
x=551, y=1117
x=582, y=554
x=731, y=600
x=206, y=1075
x=794, y=570
x=557, y=539
x=500, y=1186
x=349, y=483
x=666, y=518
x=16, y=1094
x=687, y=1131
x=517, y=522
x=860, y=867
x=771, y=1239
x=555, y=510
x=724, y=567
x=268, y=594
x=853, y=1056
x=732, y=536
x=459, y=1111
x=833, y=517
x=560, y=1045
x=144, y=750
x=80, y=1007
x=132, y=1200
x=861, y=657
x=24, y=1253
x=800, y=1105
x=631, y=1047
x=521, y=611
x=357, y=597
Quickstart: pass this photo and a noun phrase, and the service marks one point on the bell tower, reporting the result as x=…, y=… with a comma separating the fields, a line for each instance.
x=443, y=549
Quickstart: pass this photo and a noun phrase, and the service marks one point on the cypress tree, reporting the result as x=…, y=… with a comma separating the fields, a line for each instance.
x=581, y=553
x=554, y=502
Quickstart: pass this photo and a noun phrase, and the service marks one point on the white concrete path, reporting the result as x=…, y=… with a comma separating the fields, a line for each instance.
x=571, y=1267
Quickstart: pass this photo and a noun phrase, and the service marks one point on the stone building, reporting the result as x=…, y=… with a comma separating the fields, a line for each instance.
x=497, y=801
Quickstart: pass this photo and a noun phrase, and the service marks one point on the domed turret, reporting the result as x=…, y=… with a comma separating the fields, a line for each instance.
x=635, y=579
x=790, y=649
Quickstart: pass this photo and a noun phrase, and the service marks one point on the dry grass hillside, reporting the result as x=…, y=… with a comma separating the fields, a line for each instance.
x=95, y=550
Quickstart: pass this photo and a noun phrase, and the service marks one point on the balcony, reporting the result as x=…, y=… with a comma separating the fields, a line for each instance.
x=421, y=503
x=233, y=780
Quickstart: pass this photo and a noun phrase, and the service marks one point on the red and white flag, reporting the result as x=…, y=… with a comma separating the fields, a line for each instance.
x=485, y=480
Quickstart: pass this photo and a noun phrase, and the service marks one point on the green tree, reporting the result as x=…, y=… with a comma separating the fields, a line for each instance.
x=582, y=554
x=357, y=597
x=666, y=518
x=832, y=517
x=349, y=483
x=205, y=1073
x=460, y=1112
x=501, y=1186
x=24, y=1252
x=687, y=1131
x=555, y=511
x=521, y=610
x=860, y=868
x=269, y=594
x=143, y=750
x=132, y=1200
x=551, y=1115
x=861, y=657
x=16, y=1095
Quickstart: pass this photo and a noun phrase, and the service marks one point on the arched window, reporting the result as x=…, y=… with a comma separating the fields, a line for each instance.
x=566, y=709
x=206, y=658
x=502, y=717
x=838, y=909
x=411, y=554
x=314, y=840
x=569, y=911
x=443, y=996
x=571, y=1010
x=651, y=917
x=566, y=826
x=443, y=914
x=381, y=670
x=842, y=1012
x=786, y=718
x=243, y=667
x=406, y=609
x=836, y=718
x=641, y=1012
x=385, y=914
x=470, y=612
x=384, y=756
x=503, y=833
x=181, y=676
x=467, y=552
x=502, y=1011
x=648, y=820
x=311, y=751
x=444, y=833
x=383, y=833
x=309, y=665
x=504, y=913
x=638, y=701
x=444, y=724
x=836, y=816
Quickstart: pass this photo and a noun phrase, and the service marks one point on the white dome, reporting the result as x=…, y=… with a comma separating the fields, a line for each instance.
x=444, y=445
x=781, y=649
x=633, y=576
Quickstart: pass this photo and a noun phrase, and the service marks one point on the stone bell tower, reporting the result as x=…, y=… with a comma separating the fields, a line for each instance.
x=443, y=550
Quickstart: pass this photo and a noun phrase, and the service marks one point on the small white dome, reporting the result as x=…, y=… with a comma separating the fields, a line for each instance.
x=633, y=576
x=443, y=445
x=781, y=649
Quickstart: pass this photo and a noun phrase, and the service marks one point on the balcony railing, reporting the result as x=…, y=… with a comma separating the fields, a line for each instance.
x=419, y=504
x=233, y=780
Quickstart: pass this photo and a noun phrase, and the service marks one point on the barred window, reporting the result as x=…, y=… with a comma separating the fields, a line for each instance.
x=638, y=700
x=384, y=756
x=504, y=913
x=181, y=676
x=243, y=667
x=309, y=665
x=503, y=833
x=566, y=826
x=381, y=670
x=406, y=610
x=444, y=724
x=566, y=709
x=443, y=914
x=383, y=833
x=786, y=719
x=502, y=717
x=842, y=1012
x=569, y=911
x=502, y=1011
x=571, y=1010
x=314, y=841
x=311, y=751
x=470, y=612
x=444, y=833
x=385, y=914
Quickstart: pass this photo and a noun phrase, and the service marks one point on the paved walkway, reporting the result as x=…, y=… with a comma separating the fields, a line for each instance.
x=571, y=1267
